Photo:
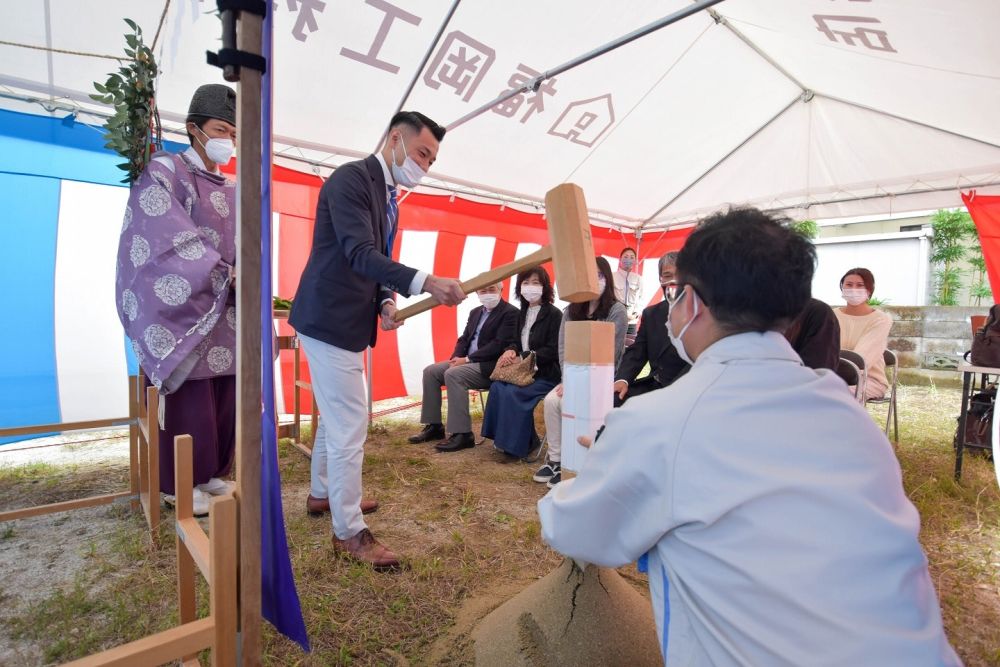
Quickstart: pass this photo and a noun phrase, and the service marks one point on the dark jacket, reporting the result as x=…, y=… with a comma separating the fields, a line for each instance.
x=348, y=273
x=543, y=340
x=652, y=345
x=815, y=335
x=497, y=335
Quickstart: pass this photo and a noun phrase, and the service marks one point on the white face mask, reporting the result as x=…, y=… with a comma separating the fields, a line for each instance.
x=677, y=340
x=601, y=285
x=531, y=293
x=489, y=301
x=410, y=174
x=627, y=263
x=854, y=297
x=219, y=151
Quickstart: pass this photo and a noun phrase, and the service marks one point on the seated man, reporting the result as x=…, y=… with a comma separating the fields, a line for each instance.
x=490, y=329
x=766, y=503
x=652, y=346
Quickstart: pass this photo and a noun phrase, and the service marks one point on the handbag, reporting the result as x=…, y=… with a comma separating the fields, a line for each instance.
x=520, y=373
x=986, y=342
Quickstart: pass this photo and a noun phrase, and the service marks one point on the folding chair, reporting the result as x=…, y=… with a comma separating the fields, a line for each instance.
x=851, y=374
x=859, y=362
x=890, y=400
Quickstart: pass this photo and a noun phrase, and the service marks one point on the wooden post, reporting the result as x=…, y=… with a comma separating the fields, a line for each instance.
x=183, y=491
x=153, y=463
x=248, y=342
x=588, y=385
x=222, y=580
x=133, y=440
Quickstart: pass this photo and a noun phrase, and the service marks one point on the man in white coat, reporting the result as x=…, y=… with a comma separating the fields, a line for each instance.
x=766, y=504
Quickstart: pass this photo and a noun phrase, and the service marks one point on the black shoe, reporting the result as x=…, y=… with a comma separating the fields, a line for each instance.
x=456, y=442
x=429, y=432
x=547, y=472
x=555, y=479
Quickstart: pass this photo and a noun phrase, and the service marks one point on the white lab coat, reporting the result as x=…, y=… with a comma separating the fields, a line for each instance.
x=773, y=512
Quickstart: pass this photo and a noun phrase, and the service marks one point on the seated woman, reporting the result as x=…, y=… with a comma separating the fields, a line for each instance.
x=509, y=419
x=605, y=308
x=863, y=329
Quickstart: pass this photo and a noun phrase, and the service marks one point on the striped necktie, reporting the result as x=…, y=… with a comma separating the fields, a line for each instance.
x=392, y=215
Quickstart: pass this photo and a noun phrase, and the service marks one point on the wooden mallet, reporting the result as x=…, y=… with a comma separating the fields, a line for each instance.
x=570, y=248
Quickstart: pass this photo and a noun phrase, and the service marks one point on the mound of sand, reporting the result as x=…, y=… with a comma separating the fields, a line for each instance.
x=570, y=617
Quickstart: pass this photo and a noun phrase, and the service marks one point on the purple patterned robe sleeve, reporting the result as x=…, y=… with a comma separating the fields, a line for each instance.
x=172, y=282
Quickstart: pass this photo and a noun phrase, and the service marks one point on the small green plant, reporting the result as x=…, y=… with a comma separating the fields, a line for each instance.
x=980, y=288
x=874, y=301
x=135, y=123
x=808, y=228
x=948, y=249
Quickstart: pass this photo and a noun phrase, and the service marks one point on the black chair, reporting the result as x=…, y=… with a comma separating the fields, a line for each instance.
x=893, y=414
x=849, y=372
x=859, y=362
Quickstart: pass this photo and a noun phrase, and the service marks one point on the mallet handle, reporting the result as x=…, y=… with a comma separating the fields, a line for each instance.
x=491, y=277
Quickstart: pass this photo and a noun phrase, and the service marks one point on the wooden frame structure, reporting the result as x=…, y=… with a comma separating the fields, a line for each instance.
x=215, y=557
x=144, y=472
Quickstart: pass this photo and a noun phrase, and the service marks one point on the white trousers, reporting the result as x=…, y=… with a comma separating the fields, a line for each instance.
x=338, y=384
x=553, y=425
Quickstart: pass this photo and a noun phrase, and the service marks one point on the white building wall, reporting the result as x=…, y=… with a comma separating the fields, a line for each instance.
x=898, y=261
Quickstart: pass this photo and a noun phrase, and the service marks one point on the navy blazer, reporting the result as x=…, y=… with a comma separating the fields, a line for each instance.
x=652, y=344
x=497, y=334
x=348, y=273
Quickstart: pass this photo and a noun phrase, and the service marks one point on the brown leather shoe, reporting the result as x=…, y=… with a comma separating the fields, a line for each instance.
x=320, y=506
x=364, y=548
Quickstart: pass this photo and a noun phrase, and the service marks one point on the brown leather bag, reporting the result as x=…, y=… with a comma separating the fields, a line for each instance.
x=986, y=341
x=520, y=373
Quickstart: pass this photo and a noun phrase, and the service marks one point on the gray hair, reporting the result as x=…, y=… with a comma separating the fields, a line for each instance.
x=670, y=258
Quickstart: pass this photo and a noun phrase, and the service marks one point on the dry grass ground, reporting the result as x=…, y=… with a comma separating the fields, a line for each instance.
x=79, y=582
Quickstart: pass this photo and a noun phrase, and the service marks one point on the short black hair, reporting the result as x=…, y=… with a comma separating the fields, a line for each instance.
x=417, y=121
x=581, y=311
x=753, y=270
x=548, y=296
x=199, y=122
x=628, y=249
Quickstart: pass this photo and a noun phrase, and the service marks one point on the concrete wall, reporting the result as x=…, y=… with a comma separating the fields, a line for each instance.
x=930, y=341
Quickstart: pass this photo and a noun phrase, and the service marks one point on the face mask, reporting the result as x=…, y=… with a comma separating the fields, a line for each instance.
x=531, y=293
x=601, y=284
x=854, y=297
x=627, y=263
x=410, y=174
x=490, y=301
x=219, y=151
x=676, y=340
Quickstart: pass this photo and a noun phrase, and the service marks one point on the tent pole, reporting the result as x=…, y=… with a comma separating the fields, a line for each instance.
x=721, y=160
x=721, y=20
x=586, y=57
x=416, y=76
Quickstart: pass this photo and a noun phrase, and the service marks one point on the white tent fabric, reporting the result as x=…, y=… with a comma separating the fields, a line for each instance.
x=818, y=108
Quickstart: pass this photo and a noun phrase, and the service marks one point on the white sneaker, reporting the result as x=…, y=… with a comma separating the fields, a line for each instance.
x=217, y=487
x=199, y=504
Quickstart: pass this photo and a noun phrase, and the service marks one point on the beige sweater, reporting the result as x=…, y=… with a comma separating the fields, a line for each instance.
x=868, y=335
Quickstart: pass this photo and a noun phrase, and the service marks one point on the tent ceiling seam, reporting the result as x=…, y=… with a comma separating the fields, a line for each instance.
x=655, y=85
x=722, y=20
x=797, y=98
x=48, y=50
x=420, y=68
x=918, y=123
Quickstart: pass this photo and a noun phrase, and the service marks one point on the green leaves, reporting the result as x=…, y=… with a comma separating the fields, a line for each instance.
x=135, y=122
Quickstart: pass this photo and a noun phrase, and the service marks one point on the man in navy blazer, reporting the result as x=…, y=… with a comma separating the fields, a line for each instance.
x=652, y=345
x=348, y=283
x=491, y=328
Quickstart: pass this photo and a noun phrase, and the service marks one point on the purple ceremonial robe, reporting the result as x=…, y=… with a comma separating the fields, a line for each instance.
x=177, y=247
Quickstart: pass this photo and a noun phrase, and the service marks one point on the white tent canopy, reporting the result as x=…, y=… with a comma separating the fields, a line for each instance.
x=819, y=108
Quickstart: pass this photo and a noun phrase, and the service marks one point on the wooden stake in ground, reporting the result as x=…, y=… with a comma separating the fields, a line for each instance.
x=248, y=343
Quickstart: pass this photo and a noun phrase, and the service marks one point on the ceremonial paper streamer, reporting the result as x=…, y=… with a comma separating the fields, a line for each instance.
x=587, y=399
